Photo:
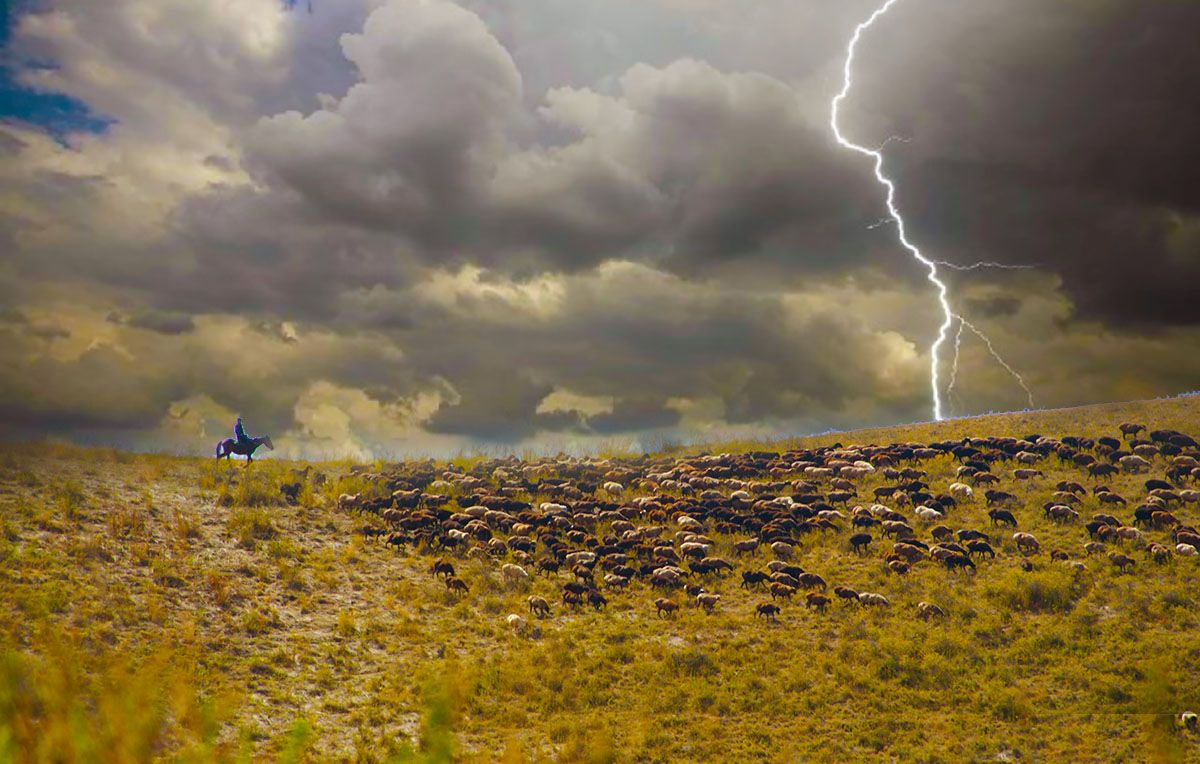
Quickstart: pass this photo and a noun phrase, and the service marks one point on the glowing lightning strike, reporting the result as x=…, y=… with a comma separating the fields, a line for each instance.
x=977, y=266
x=999, y=360
x=948, y=315
x=954, y=366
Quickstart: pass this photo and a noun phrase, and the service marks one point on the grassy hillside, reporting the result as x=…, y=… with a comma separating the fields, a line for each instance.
x=173, y=608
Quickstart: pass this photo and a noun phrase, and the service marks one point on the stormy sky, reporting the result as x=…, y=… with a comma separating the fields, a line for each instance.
x=394, y=227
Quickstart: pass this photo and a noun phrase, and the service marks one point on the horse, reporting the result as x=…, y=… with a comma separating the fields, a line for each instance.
x=230, y=446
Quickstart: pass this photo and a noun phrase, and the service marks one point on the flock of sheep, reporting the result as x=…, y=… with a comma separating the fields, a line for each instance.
x=652, y=526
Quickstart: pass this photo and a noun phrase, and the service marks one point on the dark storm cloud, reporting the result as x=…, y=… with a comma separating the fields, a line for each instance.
x=163, y=322
x=1063, y=134
x=461, y=221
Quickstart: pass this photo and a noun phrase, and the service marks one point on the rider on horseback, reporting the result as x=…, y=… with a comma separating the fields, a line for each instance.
x=240, y=433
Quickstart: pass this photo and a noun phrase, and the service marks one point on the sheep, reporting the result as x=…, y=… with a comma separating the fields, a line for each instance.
x=961, y=491
x=1133, y=464
x=1189, y=721
x=1026, y=543
x=1186, y=550
x=873, y=600
x=1027, y=474
x=514, y=574
x=980, y=548
x=846, y=593
x=708, y=601
x=613, y=488
x=1123, y=562
x=860, y=543
x=767, y=610
x=928, y=514
x=927, y=611
x=1060, y=513
x=457, y=585
x=745, y=547
x=782, y=591
x=576, y=558
x=1094, y=547
x=783, y=551
x=816, y=601
x=752, y=578
x=1131, y=429
x=517, y=624
x=1002, y=517
x=812, y=581
x=664, y=607
x=538, y=606
x=899, y=567
x=442, y=568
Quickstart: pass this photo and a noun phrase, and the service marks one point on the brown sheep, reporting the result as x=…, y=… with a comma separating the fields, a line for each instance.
x=898, y=567
x=846, y=593
x=767, y=610
x=812, y=581
x=816, y=601
x=457, y=585
x=927, y=611
x=782, y=591
x=1123, y=562
x=442, y=568
x=539, y=606
x=665, y=607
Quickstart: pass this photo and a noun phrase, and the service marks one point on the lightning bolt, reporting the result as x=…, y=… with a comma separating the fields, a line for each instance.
x=999, y=360
x=943, y=292
x=977, y=266
x=954, y=366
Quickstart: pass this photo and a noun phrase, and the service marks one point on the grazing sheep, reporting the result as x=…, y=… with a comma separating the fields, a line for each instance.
x=928, y=514
x=1187, y=550
x=873, y=600
x=783, y=550
x=767, y=610
x=745, y=547
x=708, y=601
x=517, y=624
x=1123, y=562
x=782, y=591
x=665, y=607
x=456, y=585
x=961, y=491
x=1130, y=429
x=846, y=593
x=752, y=578
x=812, y=581
x=1027, y=474
x=1189, y=721
x=927, y=611
x=980, y=548
x=816, y=601
x=514, y=574
x=1094, y=547
x=442, y=568
x=1026, y=543
x=860, y=543
x=539, y=606
x=899, y=567
x=1002, y=517
x=1133, y=464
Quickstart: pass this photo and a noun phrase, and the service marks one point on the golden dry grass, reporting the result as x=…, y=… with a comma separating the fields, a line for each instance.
x=168, y=608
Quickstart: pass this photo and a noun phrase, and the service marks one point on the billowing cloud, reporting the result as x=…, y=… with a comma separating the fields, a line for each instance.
x=408, y=226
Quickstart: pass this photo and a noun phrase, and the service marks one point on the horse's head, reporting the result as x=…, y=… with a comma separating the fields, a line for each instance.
x=266, y=441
